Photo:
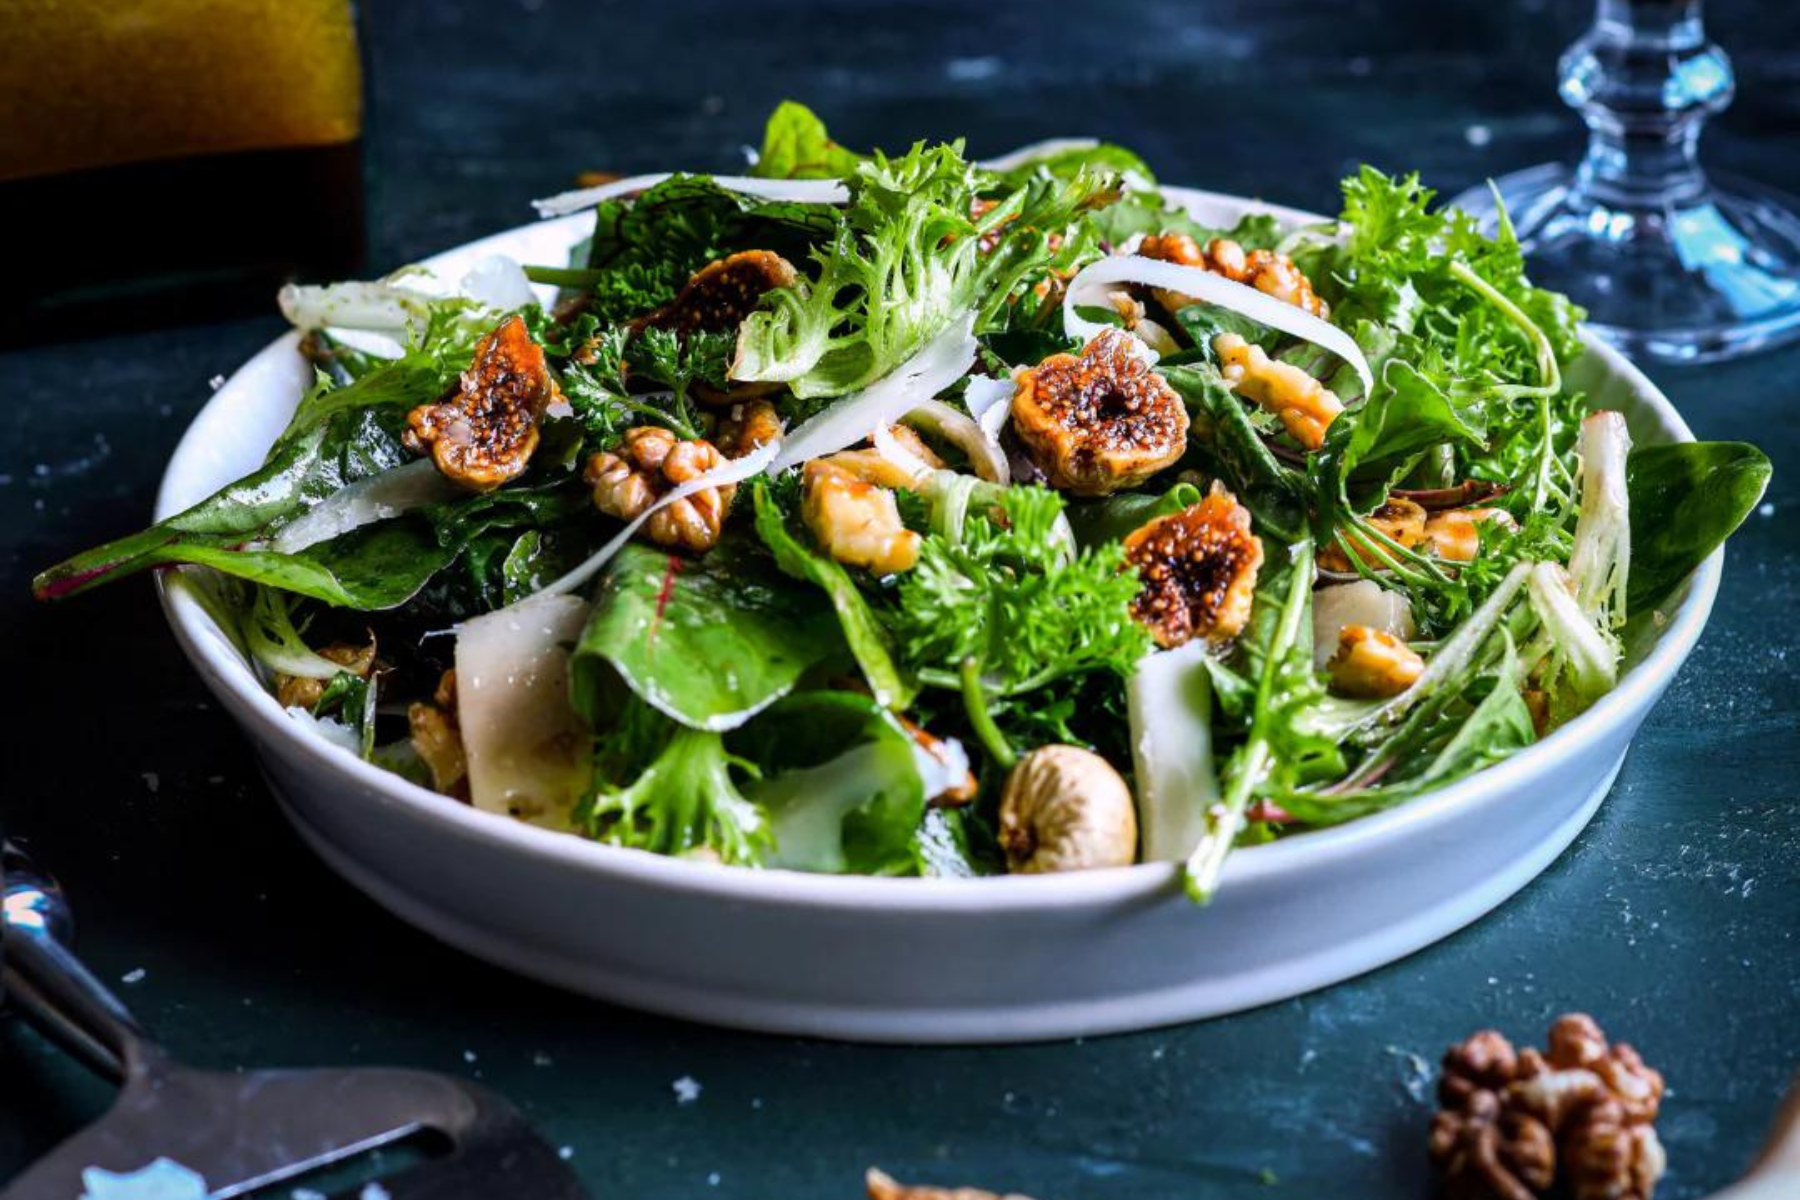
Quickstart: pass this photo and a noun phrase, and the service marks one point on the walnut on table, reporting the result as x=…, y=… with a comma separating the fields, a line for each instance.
x=1577, y=1120
x=883, y=1186
x=648, y=464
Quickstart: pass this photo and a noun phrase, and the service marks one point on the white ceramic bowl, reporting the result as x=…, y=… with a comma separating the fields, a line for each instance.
x=919, y=960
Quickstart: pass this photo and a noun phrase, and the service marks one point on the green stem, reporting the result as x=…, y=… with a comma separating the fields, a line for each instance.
x=975, y=702
x=570, y=277
x=1226, y=820
x=1540, y=344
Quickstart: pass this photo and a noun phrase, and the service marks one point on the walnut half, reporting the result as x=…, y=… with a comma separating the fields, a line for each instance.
x=1266, y=271
x=651, y=462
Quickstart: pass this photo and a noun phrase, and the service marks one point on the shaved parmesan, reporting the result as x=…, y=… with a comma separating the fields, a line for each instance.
x=1600, y=564
x=937, y=365
x=735, y=471
x=1088, y=290
x=803, y=191
x=1363, y=602
x=1169, y=701
x=376, y=498
x=526, y=747
x=499, y=283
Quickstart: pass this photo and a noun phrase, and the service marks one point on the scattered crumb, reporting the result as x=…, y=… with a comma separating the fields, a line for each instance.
x=1478, y=135
x=1268, y=1178
x=712, y=1180
x=687, y=1089
x=152, y=781
x=216, y=382
x=306, y=1194
x=565, y=1153
x=540, y=1059
x=135, y=975
x=756, y=1102
x=469, y=1056
x=1765, y=509
x=374, y=1191
x=1418, y=1073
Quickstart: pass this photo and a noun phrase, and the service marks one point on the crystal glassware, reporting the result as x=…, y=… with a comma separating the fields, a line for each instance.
x=1669, y=261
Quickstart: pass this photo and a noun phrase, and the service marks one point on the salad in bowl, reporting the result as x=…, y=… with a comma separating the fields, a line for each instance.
x=906, y=515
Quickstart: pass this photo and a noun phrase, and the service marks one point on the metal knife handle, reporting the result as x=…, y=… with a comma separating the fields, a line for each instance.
x=42, y=979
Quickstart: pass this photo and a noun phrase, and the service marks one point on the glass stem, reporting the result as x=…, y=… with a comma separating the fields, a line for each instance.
x=1644, y=79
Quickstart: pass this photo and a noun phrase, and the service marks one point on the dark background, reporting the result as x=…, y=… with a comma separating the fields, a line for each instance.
x=1673, y=917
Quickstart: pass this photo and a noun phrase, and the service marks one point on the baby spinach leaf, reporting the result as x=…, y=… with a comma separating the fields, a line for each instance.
x=1112, y=518
x=302, y=470
x=378, y=566
x=839, y=782
x=1221, y=429
x=1686, y=498
x=868, y=641
x=709, y=642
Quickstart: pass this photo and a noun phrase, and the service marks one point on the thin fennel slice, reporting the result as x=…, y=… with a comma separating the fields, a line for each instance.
x=1087, y=290
x=802, y=191
x=1600, y=564
x=938, y=364
x=526, y=747
x=733, y=472
x=1583, y=659
x=1169, y=699
x=375, y=498
x=983, y=448
x=378, y=307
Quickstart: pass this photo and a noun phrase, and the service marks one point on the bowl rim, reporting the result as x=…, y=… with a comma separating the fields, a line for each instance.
x=231, y=678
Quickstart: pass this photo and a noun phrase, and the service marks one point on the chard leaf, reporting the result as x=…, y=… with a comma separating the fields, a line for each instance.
x=1686, y=498
x=708, y=642
x=868, y=641
x=838, y=778
x=796, y=146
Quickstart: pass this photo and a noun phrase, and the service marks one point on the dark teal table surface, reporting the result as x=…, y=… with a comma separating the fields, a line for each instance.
x=1673, y=918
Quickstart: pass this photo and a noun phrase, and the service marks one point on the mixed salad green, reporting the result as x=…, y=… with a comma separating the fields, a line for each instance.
x=906, y=515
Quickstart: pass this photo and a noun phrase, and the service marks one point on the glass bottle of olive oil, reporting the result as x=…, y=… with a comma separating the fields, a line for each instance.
x=164, y=160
